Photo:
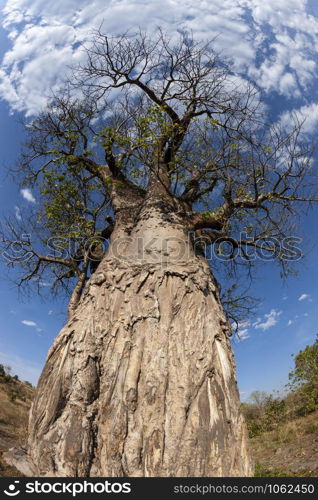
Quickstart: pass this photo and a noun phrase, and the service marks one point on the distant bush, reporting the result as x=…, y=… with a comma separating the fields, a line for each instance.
x=12, y=386
x=5, y=373
x=265, y=412
x=13, y=395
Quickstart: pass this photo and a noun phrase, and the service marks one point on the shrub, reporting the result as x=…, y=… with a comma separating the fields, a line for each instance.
x=264, y=413
x=304, y=377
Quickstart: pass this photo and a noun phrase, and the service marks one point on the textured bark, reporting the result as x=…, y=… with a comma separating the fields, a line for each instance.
x=141, y=381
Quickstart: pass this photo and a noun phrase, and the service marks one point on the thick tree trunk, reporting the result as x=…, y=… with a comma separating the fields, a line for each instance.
x=141, y=381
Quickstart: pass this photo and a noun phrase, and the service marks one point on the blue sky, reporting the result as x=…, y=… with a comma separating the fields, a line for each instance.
x=273, y=43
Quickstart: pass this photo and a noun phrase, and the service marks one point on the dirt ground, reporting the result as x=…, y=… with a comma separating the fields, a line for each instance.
x=291, y=449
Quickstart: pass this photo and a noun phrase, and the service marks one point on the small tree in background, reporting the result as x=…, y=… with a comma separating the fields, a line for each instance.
x=304, y=376
x=264, y=412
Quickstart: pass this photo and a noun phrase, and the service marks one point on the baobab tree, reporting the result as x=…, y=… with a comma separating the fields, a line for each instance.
x=141, y=380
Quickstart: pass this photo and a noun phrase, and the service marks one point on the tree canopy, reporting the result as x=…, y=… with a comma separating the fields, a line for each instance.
x=161, y=119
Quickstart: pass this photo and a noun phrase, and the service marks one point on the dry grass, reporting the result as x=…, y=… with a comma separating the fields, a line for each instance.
x=291, y=449
x=13, y=419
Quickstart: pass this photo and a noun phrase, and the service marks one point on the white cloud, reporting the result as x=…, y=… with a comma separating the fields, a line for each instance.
x=27, y=195
x=273, y=42
x=28, y=323
x=244, y=334
x=308, y=113
x=243, y=331
x=17, y=213
x=269, y=321
x=44, y=283
x=290, y=322
x=304, y=296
